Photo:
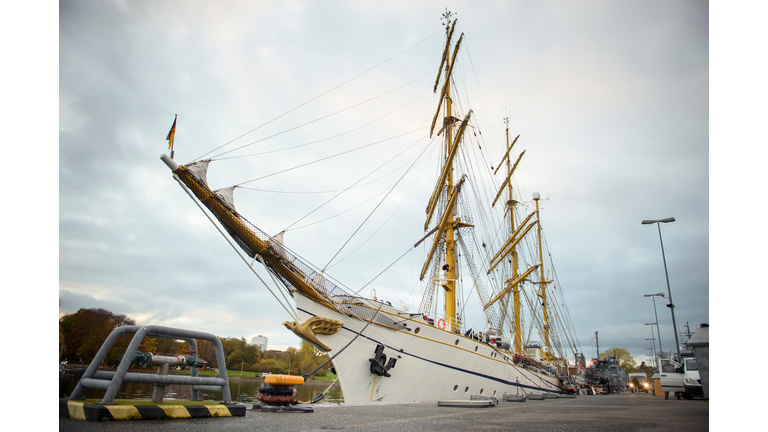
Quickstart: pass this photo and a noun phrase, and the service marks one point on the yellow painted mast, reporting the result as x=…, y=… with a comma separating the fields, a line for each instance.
x=515, y=287
x=450, y=243
x=448, y=223
x=543, y=282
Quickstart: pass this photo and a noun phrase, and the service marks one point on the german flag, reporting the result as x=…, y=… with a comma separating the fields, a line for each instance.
x=171, y=133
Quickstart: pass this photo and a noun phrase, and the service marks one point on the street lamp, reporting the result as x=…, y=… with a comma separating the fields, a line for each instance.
x=671, y=306
x=653, y=297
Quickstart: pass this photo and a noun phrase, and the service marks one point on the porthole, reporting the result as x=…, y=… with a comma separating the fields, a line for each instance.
x=494, y=392
x=456, y=387
x=457, y=342
x=475, y=349
x=417, y=330
x=481, y=391
x=466, y=389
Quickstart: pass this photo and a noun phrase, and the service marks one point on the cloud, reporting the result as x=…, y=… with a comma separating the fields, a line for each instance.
x=611, y=103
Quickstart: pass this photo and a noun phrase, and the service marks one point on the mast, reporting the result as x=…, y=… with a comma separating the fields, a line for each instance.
x=543, y=282
x=450, y=241
x=597, y=344
x=445, y=187
x=515, y=287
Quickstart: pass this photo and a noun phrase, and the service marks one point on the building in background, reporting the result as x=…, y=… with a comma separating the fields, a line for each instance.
x=261, y=341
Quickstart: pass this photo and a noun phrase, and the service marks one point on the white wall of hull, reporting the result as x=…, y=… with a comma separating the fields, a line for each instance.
x=432, y=365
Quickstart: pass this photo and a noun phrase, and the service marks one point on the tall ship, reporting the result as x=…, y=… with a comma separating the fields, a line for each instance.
x=480, y=238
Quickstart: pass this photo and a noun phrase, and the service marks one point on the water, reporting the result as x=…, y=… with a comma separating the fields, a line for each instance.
x=243, y=390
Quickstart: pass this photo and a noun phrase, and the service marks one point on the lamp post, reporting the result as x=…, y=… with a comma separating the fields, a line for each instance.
x=671, y=306
x=653, y=297
x=653, y=339
x=653, y=345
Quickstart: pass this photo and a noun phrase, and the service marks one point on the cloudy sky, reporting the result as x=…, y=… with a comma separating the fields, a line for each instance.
x=612, y=101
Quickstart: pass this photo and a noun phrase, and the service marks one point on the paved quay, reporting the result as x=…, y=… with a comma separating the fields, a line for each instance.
x=625, y=412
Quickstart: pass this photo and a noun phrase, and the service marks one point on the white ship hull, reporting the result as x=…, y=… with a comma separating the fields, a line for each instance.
x=432, y=364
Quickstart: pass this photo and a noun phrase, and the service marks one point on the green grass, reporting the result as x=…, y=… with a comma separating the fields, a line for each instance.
x=328, y=377
x=247, y=374
x=230, y=373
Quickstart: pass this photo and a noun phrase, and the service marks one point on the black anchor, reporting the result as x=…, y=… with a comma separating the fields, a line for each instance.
x=379, y=361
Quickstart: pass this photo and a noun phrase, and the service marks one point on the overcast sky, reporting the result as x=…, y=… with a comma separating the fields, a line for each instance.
x=612, y=101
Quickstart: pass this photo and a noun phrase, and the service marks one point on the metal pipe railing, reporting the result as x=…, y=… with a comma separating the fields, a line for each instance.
x=111, y=381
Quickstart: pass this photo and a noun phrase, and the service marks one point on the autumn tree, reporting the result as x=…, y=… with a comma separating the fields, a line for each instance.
x=622, y=356
x=207, y=351
x=150, y=344
x=271, y=366
x=170, y=346
x=310, y=358
x=235, y=359
x=294, y=358
x=86, y=330
x=229, y=345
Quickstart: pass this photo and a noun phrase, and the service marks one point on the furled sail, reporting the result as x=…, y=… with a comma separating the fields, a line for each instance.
x=293, y=272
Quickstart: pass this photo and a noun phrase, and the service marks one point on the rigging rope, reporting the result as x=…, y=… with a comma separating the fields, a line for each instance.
x=377, y=206
x=334, y=190
x=321, y=118
x=353, y=184
x=291, y=312
x=338, y=214
x=327, y=138
x=382, y=226
x=329, y=157
x=320, y=95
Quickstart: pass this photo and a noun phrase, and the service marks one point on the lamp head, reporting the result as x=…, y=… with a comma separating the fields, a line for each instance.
x=653, y=221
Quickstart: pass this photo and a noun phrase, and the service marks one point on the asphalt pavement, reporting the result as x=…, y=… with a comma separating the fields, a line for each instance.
x=624, y=412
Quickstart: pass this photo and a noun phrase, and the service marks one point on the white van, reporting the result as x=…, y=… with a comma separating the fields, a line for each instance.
x=679, y=378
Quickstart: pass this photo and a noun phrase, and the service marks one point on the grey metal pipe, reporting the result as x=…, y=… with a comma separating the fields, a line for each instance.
x=171, y=379
x=125, y=363
x=170, y=361
x=119, y=376
x=207, y=388
x=132, y=377
x=77, y=393
x=220, y=359
x=96, y=383
x=193, y=369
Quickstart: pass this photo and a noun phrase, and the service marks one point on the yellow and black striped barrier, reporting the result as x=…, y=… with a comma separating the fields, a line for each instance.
x=124, y=410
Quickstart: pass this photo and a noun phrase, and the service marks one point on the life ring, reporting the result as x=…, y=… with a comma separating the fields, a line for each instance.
x=441, y=323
